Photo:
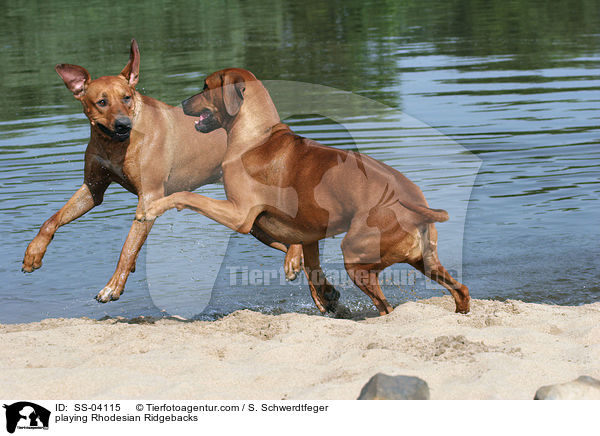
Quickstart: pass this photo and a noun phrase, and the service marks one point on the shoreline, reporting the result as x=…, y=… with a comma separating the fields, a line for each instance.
x=501, y=350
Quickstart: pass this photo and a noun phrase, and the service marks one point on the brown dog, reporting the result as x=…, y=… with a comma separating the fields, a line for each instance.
x=298, y=192
x=146, y=146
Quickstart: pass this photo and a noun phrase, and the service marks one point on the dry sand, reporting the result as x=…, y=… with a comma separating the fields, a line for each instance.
x=502, y=350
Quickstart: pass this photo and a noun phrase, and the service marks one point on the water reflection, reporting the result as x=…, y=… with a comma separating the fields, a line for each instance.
x=515, y=83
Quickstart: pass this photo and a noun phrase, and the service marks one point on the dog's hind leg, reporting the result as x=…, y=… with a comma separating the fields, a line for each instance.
x=368, y=282
x=429, y=264
x=363, y=259
x=323, y=293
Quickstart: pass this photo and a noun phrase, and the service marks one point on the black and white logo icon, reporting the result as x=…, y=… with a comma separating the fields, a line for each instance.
x=26, y=415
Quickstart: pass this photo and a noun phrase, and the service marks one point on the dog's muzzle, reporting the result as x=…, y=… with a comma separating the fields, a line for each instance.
x=207, y=122
x=122, y=129
x=188, y=104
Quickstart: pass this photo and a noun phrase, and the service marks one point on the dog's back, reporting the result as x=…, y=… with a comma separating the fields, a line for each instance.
x=324, y=171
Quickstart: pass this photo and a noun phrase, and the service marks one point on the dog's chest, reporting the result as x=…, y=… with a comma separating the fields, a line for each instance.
x=282, y=229
x=122, y=168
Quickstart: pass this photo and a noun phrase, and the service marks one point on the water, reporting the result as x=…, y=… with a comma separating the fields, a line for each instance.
x=514, y=83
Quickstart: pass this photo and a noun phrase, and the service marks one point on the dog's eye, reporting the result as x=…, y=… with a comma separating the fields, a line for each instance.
x=102, y=102
x=127, y=98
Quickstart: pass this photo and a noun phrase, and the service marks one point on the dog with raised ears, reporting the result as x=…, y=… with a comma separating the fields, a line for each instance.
x=146, y=146
x=298, y=191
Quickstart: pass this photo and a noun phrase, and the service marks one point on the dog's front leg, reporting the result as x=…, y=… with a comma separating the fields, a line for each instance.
x=135, y=240
x=293, y=253
x=238, y=217
x=133, y=244
x=81, y=202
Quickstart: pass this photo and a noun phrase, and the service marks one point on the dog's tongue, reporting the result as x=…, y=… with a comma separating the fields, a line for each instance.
x=202, y=117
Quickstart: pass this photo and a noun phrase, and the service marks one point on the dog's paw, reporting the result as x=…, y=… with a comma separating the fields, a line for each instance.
x=293, y=262
x=143, y=217
x=342, y=312
x=154, y=210
x=463, y=306
x=33, y=255
x=290, y=276
x=108, y=294
x=30, y=267
x=331, y=296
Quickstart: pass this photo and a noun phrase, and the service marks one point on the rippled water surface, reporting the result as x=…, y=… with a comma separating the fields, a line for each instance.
x=492, y=108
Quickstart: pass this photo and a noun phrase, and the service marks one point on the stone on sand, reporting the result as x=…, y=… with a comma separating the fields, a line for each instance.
x=584, y=388
x=400, y=387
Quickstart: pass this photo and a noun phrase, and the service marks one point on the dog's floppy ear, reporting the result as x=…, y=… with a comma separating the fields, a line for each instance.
x=131, y=72
x=233, y=92
x=76, y=78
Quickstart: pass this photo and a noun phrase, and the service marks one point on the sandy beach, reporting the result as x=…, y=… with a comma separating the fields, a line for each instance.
x=502, y=350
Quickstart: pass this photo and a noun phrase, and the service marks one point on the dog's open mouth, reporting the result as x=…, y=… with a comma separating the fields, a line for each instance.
x=205, y=114
x=206, y=121
x=119, y=136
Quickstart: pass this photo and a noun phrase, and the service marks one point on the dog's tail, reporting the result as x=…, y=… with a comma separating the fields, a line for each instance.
x=430, y=215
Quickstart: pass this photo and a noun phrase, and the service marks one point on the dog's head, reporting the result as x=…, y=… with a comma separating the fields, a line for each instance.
x=108, y=102
x=219, y=102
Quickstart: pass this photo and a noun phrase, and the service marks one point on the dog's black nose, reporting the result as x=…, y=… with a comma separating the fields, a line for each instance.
x=122, y=125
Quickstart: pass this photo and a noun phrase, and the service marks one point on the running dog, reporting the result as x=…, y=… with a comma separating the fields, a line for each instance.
x=298, y=191
x=146, y=146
